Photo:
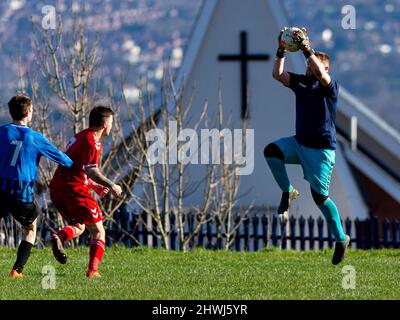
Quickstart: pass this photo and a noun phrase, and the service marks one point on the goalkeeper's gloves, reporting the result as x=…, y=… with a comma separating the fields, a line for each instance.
x=280, y=53
x=304, y=42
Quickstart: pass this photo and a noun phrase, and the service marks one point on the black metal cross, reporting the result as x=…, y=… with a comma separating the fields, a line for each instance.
x=243, y=57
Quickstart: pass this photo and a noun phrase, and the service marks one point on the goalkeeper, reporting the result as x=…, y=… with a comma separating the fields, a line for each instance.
x=313, y=146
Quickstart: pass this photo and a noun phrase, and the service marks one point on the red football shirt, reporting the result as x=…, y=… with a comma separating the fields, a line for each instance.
x=85, y=150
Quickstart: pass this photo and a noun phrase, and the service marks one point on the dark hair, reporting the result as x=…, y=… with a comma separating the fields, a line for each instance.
x=322, y=56
x=19, y=106
x=98, y=115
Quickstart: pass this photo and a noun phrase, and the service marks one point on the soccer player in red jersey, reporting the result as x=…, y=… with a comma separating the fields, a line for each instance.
x=71, y=194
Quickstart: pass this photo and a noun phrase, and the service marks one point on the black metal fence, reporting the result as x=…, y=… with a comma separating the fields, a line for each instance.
x=260, y=231
x=254, y=233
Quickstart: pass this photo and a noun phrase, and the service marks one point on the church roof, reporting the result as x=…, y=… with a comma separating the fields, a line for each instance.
x=377, y=141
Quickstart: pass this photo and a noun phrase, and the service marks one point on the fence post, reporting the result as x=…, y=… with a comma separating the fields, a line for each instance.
x=173, y=233
x=264, y=221
x=255, y=232
x=201, y=236
x=310, y=222
x=274, y=231
x=191, y=218
x=113, y=232
x=109, y=241
x=144, y=229
x=220, y=239
x=357, y=225
x=347, y=224
x=395, y=228
x=320, y=224
x=135, y=228
x=210, y=234
x=302, y=224
x=237, y=234
x=368, y=238
x=246, y=225
x=128, y=228
x=386, y=233
x=292, y=223
x=284, y=228
x=375, y=232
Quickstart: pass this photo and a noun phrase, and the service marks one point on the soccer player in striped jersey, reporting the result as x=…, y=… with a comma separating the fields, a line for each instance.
x=71, y=191
x=20, y=151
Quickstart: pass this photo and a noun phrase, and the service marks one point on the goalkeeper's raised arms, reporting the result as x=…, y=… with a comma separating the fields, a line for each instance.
x=319, y=70
x=278, y=73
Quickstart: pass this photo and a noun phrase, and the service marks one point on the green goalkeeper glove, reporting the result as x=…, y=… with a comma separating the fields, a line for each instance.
x=280, y=53
x=304, y=42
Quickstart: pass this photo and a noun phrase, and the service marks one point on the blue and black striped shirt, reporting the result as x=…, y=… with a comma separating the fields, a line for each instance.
x=20, y=151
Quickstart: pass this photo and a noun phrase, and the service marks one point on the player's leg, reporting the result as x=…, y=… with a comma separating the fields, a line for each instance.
x=70, y=231
x=24, y=249
x=62, y=203
x=26, y=215
x=277, y=154
x=332, y=217
x=97, y=248
x=331, y=214
x=276, y=162
x=318, y=166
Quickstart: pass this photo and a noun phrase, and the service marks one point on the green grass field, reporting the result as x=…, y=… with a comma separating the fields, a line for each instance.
x=157, y=274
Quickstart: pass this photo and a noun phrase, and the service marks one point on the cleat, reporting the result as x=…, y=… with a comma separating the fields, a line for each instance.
x=16, y=275
x=340, y=251
x=58, y=249
x=92, y=274
x=286, y=200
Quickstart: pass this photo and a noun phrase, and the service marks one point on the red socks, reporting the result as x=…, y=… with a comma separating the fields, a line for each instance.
x=97, y=248
x=66, y=233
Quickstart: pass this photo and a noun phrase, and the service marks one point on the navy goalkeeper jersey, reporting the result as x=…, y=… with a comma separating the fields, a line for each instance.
x=20, y=151
x=315, y=111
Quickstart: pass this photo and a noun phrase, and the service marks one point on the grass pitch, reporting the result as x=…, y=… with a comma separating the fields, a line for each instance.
x=158, y=274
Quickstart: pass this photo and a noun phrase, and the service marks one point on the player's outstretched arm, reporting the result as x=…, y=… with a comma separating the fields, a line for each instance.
x=98, y=188
x=278, y=73
x=315, y=64
x=48, y=150
x=95, y=174
x=319, y=70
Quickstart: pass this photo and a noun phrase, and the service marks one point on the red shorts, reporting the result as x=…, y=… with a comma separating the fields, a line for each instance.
x=76, y=206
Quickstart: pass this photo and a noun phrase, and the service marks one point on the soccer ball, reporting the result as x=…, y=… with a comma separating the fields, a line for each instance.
x=288, y=38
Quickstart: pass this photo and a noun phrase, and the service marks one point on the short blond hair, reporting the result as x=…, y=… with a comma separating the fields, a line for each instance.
x=323, y=57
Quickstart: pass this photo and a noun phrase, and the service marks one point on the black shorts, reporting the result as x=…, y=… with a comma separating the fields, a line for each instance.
x=24, y=213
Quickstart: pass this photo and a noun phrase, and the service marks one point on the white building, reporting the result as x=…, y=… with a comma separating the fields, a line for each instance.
x=363, y=178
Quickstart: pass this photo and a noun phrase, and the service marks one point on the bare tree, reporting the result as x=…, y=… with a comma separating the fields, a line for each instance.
x=64, y=84
x=165, y=185
x=64, y=75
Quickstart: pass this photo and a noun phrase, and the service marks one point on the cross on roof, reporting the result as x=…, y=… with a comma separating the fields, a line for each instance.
x=243, y=57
